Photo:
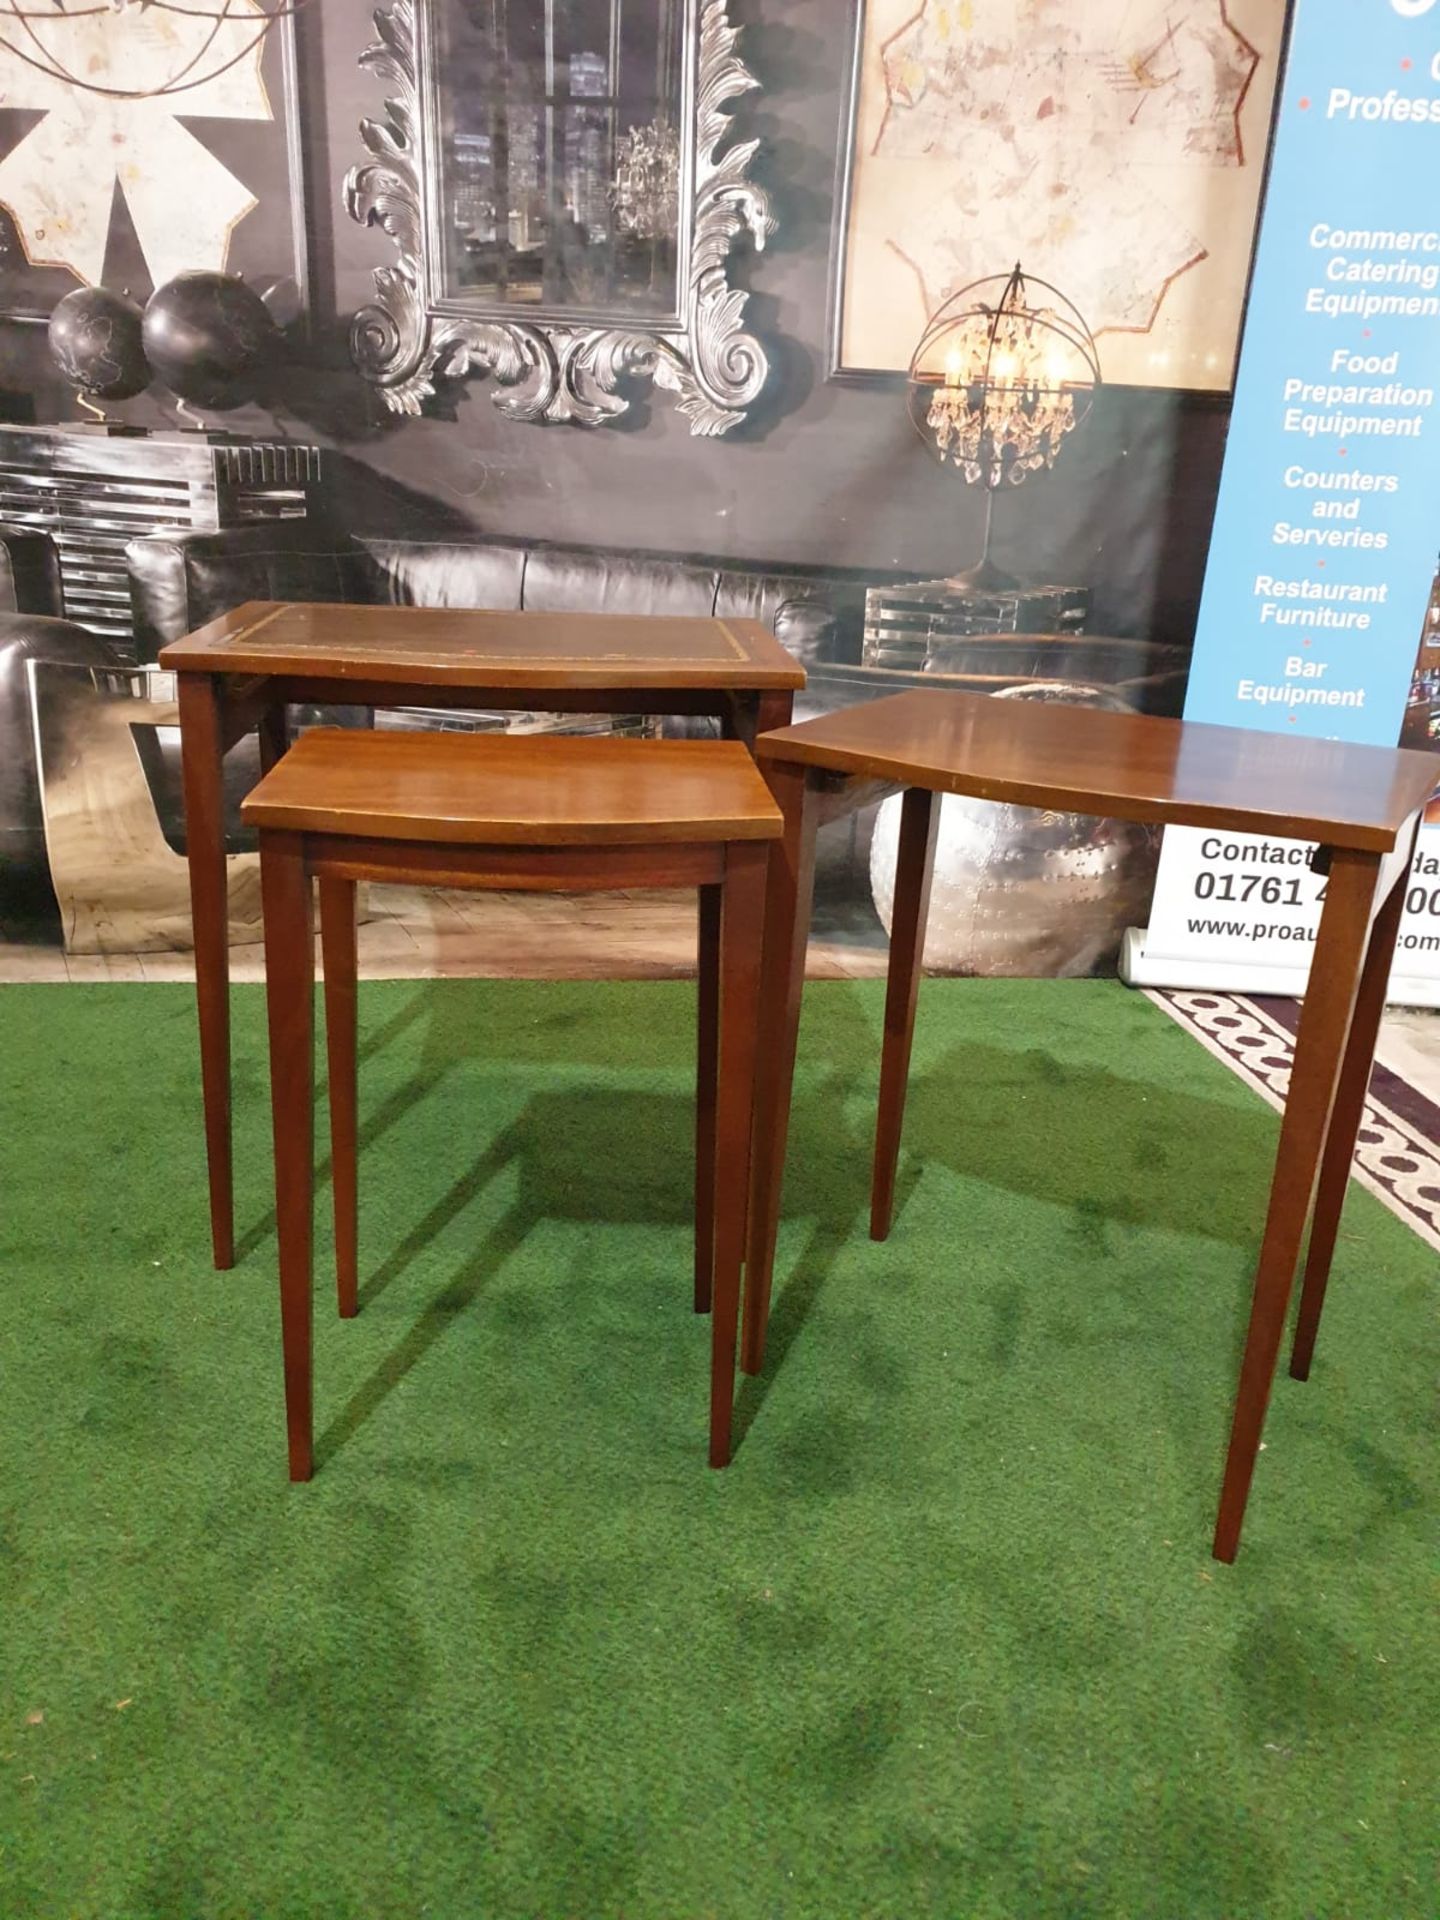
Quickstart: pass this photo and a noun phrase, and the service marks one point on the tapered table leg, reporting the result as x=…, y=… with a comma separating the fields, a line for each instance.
x=1325, y=1022
x=742, y=922
x=707, y=1063
x=337, y=948
x=789, y=899
x=287, y=899
x=751, y=714
x=274, y=735
x=1345, y=1122
x=201, y=760
x=914, y=869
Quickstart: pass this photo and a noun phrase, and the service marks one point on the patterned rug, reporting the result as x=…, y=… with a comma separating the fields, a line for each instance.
x=1398, y=1157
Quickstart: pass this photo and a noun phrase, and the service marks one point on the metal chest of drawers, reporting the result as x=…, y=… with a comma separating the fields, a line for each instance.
x=95, y=488
x=925, y=625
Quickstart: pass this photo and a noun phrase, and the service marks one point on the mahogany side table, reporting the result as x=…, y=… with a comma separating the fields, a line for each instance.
x=549, y=815
x=1362, y=805
x=238, y=675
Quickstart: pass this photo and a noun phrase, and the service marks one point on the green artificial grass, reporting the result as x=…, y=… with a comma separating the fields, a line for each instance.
x=946, y=1640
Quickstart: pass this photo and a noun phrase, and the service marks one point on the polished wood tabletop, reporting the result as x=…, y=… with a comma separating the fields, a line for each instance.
x=453, y=788
x=475, y=647
x=1120, y=765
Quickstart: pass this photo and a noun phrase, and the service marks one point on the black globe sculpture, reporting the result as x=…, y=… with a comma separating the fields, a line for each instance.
x=95, y=340
x=210, y=338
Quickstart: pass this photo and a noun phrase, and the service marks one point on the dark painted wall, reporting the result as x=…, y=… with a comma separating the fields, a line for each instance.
x=825, y=474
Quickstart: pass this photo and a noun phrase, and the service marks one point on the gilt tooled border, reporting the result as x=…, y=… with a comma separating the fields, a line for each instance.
x=327, y=650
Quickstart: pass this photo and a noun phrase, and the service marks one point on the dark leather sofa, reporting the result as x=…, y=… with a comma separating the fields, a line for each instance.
x=178, y=583
x=181, y=581
x=31, y=628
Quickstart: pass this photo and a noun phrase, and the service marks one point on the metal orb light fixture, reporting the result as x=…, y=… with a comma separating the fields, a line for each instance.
x=1004, y=372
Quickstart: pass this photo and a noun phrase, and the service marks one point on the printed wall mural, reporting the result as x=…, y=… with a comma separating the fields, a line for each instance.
x=1116, y=148
x=174, y=125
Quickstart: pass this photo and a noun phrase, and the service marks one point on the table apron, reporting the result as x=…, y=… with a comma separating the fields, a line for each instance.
x=526, y=869
x=243, y=705
x=325, y=691
x=839, y=792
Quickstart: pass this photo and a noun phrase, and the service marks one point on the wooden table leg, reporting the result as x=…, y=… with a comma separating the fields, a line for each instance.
x=742, y=925
x=789, y=899
x=707, y=1066
x=774, y=709
x=755, y=713
x=1325, y=1022
x=201, y=702
x=274, y=735
x=1345, y=1122
x=914, y=867
x=287, y=899
x=337, y=948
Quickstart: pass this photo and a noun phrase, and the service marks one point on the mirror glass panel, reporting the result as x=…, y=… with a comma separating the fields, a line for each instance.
x=559, y=144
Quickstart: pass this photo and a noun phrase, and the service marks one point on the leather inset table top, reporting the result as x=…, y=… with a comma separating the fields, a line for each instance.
x=455, y=646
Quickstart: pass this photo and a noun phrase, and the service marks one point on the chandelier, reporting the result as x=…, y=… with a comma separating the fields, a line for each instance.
x=197, y=66
x=998, y=382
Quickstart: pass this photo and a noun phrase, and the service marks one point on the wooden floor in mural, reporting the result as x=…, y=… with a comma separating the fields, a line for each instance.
x=409, y=933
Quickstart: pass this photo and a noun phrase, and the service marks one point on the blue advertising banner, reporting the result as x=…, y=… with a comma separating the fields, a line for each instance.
x=1320, y=611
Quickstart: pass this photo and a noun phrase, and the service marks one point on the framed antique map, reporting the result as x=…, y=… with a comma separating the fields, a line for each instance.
x=139, y=142
x=1115, y=148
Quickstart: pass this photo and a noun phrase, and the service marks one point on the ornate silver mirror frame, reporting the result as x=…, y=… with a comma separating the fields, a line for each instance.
x=565, y=368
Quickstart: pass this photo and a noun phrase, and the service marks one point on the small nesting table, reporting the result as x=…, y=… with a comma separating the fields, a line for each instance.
x=238, y=675
x=1362, y=805
x=556, y=814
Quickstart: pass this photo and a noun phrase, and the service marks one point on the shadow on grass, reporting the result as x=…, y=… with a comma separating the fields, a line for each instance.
x=422, y=1004
x=597, y=1156
x=602, y=1157
x=1114, y=1152
x=374, y=1127
x=454, y=1298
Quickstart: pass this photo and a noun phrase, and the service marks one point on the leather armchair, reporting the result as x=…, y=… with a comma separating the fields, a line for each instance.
x=31, y=629
x=180, y=581
x=29, y=573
